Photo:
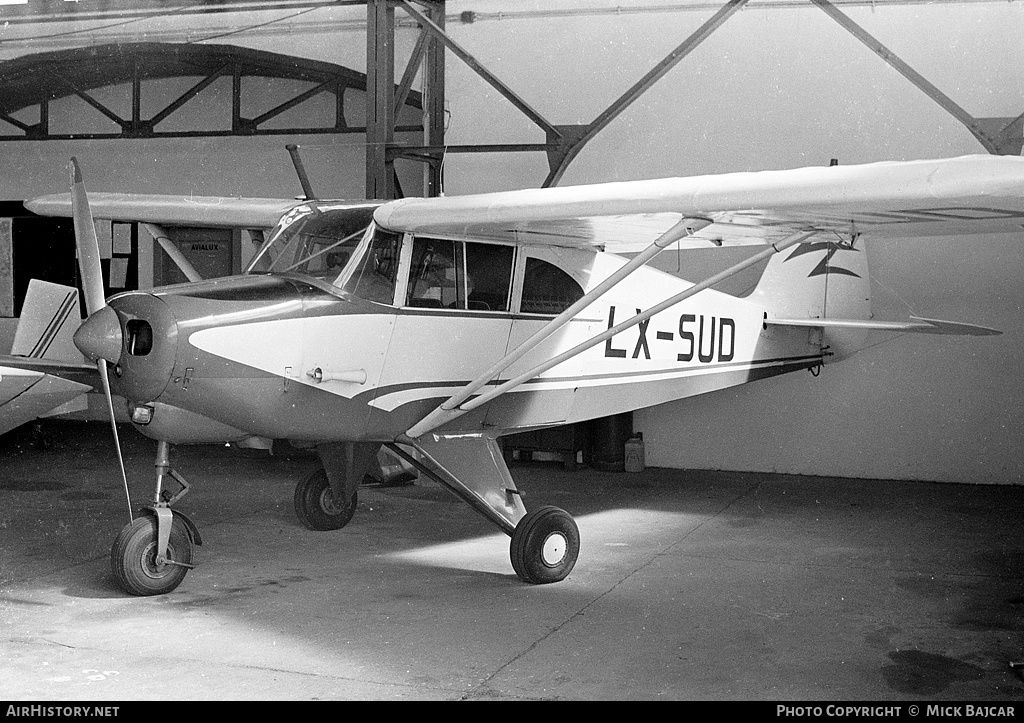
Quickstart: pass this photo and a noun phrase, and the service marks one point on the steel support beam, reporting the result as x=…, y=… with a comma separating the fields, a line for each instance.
x=433, y=95
x=384, y=102
x=562, y=142
x=999, y=136
x=380, y=97
x=575, y=137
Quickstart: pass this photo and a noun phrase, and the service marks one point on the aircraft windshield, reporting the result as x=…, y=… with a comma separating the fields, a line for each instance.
x=314, y=239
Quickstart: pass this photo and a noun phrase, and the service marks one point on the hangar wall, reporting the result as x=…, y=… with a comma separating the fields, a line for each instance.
x=775, y=87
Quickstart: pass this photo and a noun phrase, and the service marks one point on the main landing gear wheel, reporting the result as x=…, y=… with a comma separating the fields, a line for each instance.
x=316, y=507
x=545, y=545
x=133, y=558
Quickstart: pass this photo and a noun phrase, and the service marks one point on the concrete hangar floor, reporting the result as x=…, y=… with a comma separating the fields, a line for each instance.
x=689, y=585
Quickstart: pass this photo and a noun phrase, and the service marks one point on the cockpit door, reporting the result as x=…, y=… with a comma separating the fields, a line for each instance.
x=453, y=322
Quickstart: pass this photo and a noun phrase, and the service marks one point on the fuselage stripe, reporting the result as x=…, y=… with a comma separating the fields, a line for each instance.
x=391, y=397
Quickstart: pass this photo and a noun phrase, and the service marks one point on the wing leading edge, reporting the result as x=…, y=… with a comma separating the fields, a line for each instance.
x=172, y=210
x=970, y=194
x=966, y=195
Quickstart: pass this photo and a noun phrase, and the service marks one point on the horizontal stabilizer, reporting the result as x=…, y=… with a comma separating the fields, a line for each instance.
x=26, y=394
x=916, y=325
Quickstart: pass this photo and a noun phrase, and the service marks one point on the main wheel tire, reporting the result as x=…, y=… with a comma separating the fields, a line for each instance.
x=315, y=505
x=133, y=557
x=545, y=545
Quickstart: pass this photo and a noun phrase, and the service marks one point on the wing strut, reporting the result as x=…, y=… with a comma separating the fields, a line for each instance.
x=458, y=404
x=448, y=410
x=171, y=249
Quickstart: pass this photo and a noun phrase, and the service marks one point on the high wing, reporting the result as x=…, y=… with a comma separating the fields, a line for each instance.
x=157, y=211
x=971, y=194
x=173, y=210
x=776, y=209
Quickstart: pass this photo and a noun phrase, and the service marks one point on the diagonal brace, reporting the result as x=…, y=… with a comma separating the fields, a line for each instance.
x=431, y=27
x=449, y=409
x=432, y=422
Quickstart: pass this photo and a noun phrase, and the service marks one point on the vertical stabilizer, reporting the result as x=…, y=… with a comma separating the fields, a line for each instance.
x=820, y=279
x=46, y=328
x=49, y=318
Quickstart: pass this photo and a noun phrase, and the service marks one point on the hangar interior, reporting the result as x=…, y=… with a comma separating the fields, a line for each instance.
x=203, y=99
x=777, y=547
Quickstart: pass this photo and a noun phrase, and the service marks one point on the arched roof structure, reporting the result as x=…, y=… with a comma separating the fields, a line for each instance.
x=114, y=79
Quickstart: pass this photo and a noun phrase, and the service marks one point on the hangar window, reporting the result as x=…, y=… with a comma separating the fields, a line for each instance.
x=547, y=289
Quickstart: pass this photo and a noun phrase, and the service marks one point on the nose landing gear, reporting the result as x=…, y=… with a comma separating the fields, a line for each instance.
x=137, y=564
x=153, y=553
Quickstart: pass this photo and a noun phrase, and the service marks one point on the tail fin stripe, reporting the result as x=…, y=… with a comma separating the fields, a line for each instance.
x=42, y=345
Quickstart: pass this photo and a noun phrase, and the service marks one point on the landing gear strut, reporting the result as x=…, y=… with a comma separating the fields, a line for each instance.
x=545, y=542
x=139, y=568
x=316, y=506
x=327, y=499
x=153, y=553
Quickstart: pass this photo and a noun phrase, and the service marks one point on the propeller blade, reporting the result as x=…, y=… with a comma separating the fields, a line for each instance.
x=92, y=284
x=101, y=366
x=88, y=245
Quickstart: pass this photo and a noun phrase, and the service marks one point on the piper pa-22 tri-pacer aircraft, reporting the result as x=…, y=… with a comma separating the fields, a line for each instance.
x=436, y=325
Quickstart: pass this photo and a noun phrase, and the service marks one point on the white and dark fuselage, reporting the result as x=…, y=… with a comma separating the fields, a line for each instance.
x=288, y=355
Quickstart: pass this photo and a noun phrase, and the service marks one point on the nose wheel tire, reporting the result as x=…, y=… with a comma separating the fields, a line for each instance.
x=545, y=545
x=316, y=507
x=133, y=558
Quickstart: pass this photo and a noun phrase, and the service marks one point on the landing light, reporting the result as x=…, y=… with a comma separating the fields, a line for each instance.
x=141, y=413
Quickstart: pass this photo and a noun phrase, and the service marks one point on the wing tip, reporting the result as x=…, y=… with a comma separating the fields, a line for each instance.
x=957, y=328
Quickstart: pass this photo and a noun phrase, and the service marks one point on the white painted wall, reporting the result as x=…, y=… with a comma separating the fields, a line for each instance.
x=771, y=89
x=257, y=166
x=783, y=89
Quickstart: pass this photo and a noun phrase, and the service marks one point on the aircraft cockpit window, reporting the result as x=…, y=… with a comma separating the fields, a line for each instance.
x=314, y=240
x=437, y=276
x=456, y=275
x=374, y=270
x=547, y=289
x=489, y=266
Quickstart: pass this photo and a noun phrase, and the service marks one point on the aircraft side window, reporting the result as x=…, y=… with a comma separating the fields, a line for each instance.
x=547, y=289
x=489, y=276
x=375, y=273
x=437, y=276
